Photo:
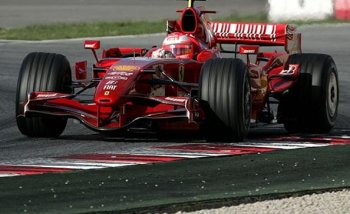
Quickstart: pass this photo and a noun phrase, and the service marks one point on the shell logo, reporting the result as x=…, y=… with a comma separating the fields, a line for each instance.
x=125, y=68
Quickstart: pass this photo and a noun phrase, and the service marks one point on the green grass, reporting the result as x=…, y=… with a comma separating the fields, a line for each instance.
x=77, y=30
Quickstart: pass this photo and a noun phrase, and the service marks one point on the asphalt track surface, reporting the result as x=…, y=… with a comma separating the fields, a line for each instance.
x=18, y=13
x=157, y=184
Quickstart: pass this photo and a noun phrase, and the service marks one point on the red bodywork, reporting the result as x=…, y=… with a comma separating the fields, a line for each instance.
x=131, y=88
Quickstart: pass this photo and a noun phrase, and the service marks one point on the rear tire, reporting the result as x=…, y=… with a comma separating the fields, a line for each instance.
x=311, y=106
x=224, y=92
x=42, y=72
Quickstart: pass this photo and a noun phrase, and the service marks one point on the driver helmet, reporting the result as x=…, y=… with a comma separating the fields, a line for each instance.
x=180, y=46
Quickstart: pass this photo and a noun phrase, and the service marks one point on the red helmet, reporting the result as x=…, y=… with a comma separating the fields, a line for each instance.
x=181, y=46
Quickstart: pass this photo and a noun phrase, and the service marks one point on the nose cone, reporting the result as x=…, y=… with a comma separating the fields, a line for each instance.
x=119, y=79
x=116, y=83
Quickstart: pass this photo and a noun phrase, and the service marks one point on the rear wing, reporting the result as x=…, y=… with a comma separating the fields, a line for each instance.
x=257, y=34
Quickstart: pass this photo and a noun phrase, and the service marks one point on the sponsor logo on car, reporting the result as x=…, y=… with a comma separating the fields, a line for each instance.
x=120, y=73
x=109, y=87
x=175, y=99
x=292, y=70
x=125, y=68
x=46, y=95
x=115, y=78
x=175, y=39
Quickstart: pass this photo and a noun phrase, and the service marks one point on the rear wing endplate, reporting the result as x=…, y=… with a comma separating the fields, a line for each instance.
x=258, y=34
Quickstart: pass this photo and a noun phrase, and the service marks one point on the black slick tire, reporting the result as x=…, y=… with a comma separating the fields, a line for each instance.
x=311, y=105
x=42, y=72
x=224, y=93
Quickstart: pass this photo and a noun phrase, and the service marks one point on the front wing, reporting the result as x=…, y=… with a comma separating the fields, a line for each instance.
x=109, y=118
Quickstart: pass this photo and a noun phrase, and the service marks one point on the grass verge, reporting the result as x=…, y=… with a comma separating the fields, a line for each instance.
x=77, y=30
x=98, y=29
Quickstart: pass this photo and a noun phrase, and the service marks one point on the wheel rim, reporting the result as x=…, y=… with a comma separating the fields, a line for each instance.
x=332, y=99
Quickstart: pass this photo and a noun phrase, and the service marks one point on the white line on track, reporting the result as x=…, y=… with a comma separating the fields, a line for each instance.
x=284, y=145
x=178, y=154
x=345, y=137
x=8, y=175
x=75, y=165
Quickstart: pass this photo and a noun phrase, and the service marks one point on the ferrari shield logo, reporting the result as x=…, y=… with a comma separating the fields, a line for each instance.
x=181, y=72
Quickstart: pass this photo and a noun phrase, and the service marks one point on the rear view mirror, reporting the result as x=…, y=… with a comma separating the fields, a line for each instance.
x=92, y=44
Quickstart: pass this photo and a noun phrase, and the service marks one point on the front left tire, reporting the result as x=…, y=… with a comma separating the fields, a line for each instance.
x=42, y=72
x=224, y=93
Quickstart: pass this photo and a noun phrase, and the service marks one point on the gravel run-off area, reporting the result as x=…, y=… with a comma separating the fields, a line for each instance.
x=325, y=203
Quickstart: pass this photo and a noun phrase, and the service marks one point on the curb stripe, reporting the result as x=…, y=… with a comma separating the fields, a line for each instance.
x=286, y=145
x=122, y=158
x=165, y=153
x=75, y=165
x=29, y=170
x=8, y=175
x=220, y=149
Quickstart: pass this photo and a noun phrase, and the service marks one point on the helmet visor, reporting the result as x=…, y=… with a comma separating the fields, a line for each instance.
x=178, y=50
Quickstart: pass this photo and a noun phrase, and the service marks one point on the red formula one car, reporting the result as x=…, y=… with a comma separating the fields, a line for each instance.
x=186, y=84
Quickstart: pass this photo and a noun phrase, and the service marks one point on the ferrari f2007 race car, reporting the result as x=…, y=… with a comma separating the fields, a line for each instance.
x=186, y=84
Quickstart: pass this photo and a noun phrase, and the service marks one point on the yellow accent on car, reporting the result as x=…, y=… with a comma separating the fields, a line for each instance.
x=125, y=68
